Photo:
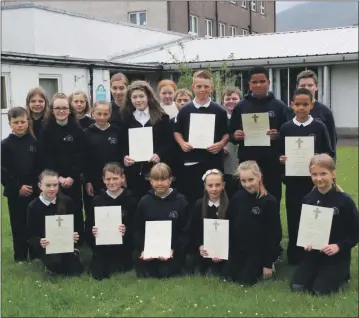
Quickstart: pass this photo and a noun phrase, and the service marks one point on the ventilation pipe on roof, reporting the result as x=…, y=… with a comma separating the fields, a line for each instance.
x=91, y=83
x=250, y=18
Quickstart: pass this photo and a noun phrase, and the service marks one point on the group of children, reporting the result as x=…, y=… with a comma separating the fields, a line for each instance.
x=81, y=154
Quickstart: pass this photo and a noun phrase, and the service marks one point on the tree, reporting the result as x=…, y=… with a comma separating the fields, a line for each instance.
x=221, y=78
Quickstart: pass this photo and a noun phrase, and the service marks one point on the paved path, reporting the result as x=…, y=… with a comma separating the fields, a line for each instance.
x=351, y=142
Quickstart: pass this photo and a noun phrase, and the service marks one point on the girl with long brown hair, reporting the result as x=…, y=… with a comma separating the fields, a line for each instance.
x=118, y=84
x=80, y=104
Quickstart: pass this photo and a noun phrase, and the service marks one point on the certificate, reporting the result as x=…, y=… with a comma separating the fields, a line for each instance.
x=315, y=225
x=158, y=239
x=216, y=238
x=201, y=130
x=255, y=128
x=299, y=151
x=107, y=220
x=140, y=143
x=59, y=231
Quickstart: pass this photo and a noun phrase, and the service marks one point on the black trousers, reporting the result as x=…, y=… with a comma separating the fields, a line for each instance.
x=18, y=221
x=205, y=266
x=296, y=189
x=137, y=180
x=320, y=274
x=110, y=259
x=232, y=185
x=156, y=268
x=75, y=193
x=244, y=269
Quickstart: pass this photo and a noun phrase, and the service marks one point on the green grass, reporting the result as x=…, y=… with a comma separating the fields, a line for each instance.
x=26, y=292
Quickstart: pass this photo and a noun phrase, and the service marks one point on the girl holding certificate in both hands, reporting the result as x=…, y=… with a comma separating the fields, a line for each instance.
x=162, y=203
x=213, y=205
x=51, y=202
x=323, y=272
x=254, y=229
x=142, y=109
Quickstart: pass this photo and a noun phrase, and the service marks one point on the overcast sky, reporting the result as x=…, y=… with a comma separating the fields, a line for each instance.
x=283, y=5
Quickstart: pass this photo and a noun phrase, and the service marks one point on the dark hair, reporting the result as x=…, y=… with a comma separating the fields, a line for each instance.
x=17, y=112
x=258, y=70
x=50, y=117
x=154, y=106
x=113, y=167
x=303, y=91
x=33, y=92
x=84, y=95
x=229, y=90
x=119, y=77
x=307, y=74
x=60, y=200
x=224, y=202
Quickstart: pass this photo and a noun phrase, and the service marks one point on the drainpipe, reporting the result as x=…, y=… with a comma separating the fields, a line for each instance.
x=250, y=17
x=188, y=16
x=216, y=18
x=91, y=84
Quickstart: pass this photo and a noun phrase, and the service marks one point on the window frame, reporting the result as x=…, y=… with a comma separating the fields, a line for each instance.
x=220, y=27
x=244, y=4
x=262, y=7
x=193, y=18
x=138, y=19
x=208, y=23
x=254, y=6
x=58, y=77
x=6, y=76
x=235, y=30
x=245, y=32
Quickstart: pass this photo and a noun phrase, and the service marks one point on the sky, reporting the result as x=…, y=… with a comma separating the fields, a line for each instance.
x=284, y=5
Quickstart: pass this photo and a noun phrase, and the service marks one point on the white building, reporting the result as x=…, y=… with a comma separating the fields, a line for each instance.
x=63, y=52
x=331, y=53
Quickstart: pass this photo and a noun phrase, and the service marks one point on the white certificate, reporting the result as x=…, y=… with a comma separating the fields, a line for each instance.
x=216, y=238
x=59, y=231
x=140, y=143
x=314, y=227
x=158, y=238
x=255, y=128
x=201, y=130
x=107, y=220
x=299, y=151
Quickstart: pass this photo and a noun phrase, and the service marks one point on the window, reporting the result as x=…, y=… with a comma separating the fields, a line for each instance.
x=244, y=4
x=50, y=84
x=193, y=25
x=233, y=31
x=263, y=9
x=253, y=6
x=245, y=32
x=222, y=29
x=209, y=28
x=139, y=18
x=5, y=92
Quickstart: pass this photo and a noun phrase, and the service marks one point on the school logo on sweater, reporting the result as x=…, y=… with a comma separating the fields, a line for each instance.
x=313, y=135
x=69, y=138
x=256, y=210
x=173, y=215
x=113, y=141
x=32, y=148
x=271, y=114
x=335, y=211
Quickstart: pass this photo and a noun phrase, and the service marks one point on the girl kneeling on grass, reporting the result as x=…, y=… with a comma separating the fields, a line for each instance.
x=162, y=203
x=323, y=272
x=255, y=231
x=51, y=202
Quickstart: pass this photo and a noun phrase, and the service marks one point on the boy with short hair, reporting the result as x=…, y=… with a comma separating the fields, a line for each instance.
x=197, y=161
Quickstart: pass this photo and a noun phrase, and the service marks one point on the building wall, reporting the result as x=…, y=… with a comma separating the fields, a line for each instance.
x=344, y=97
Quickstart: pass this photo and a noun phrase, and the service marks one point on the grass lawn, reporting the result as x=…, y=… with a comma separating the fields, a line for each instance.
x=26, y=292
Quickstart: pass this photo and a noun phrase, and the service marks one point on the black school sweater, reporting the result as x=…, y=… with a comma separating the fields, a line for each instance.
x=345, y=224
x=255, y=226
x=176, y=159
x=37, y=126
x=86, y=122
x=128, y=205
x=173, y=208
x=36, y=213
x=115, y=115
x=19, y=163
x=62, y=149
x=323, y=113
x=102, y=147
x=182, y=125
x=315, y=128
x=277, y=117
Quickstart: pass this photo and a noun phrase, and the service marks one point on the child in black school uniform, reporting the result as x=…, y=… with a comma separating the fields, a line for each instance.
x=118, y=84
x=198, y=161
x=182, y=97
x=62, y=150
x=213, y=205
x=142, y=109
x=51, y=202
x=161, y=204
x=309, y=80
x=297, y=187
x=230, y=97
x=323, y=272
x=36, y=105
x=255, y=231
x=108, y=259
x=80, y=104
x=102, y=147
x=260, y=100
x=19, y=177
